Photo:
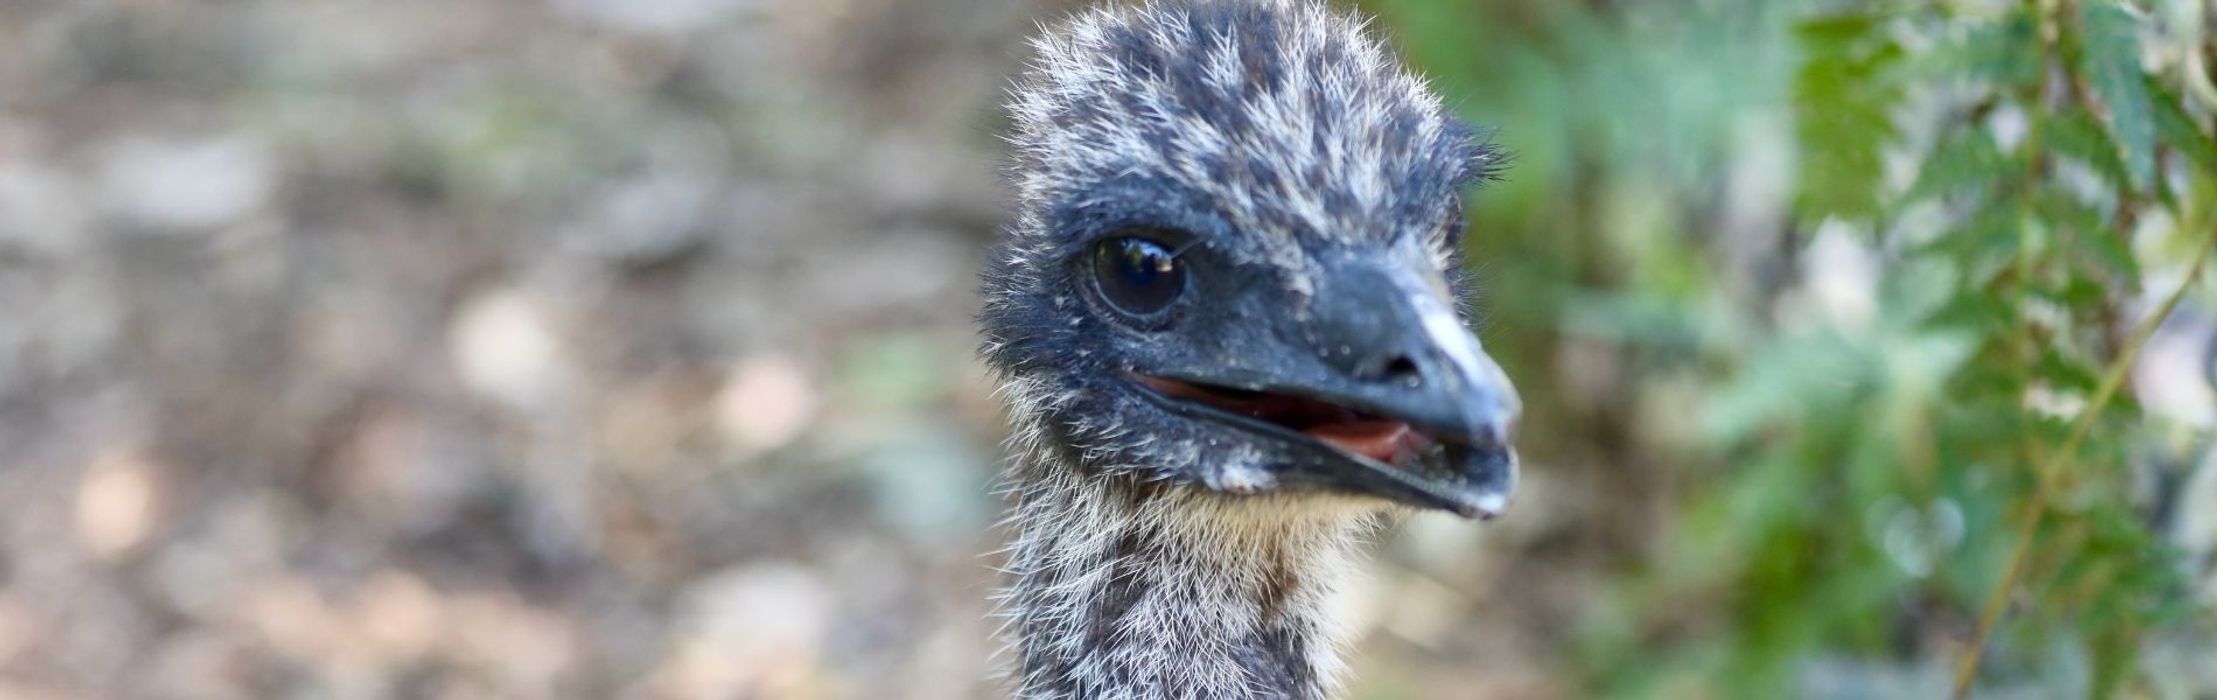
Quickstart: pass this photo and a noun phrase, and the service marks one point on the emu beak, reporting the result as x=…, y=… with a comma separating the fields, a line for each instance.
x=1379, y=390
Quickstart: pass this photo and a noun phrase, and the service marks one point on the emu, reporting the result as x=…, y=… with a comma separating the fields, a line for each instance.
x=1227, y=322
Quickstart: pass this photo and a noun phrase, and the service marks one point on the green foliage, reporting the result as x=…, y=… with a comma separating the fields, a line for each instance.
x=2111, y=62
x=1843, y=105
x=1868, y=454
x=2179, y=130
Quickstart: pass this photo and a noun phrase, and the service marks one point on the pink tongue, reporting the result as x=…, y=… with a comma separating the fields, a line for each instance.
x=1376, y=439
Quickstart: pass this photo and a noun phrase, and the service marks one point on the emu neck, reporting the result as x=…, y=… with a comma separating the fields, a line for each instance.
x=1129, y=589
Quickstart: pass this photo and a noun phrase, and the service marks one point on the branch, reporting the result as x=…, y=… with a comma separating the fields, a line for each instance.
x=2029, y=523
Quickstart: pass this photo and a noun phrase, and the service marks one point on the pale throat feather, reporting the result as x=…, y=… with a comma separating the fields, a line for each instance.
x=1122, y=588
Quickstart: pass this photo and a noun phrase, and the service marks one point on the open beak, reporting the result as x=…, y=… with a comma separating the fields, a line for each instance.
x=1379, y=390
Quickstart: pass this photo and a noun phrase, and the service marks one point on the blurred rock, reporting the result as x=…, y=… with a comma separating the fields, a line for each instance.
x=652, y=218
x=504, y=347
x=200, y=666
x=42, y=211
x=399, y=618
x=186, y=184
x=930, y=485
x=750, y=631
x=524, y=649
x=659, y=16
x=766, y=402
x=290, y=618
x=17, y=629
x=408, y=469
x=116, y=504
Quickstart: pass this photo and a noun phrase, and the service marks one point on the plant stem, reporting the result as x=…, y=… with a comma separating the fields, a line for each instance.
x=2029, y=522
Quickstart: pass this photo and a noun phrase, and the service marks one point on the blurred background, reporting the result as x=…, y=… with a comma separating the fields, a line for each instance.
x=623, y=348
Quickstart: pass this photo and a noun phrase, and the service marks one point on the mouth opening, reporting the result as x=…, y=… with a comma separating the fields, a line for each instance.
x=1346, y=429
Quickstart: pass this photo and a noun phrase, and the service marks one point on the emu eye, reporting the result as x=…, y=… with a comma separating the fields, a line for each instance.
x=1137, y=276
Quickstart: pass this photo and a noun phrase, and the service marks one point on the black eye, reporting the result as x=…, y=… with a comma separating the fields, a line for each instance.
x=1137, y=276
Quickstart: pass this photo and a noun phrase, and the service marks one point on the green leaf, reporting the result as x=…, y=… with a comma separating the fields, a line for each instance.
x=2179, y=130
x=1975, y=312
x=1965, y=163
x=1982, y=245
x=1843, y=99
x=2080, y=292
x=2065, y=372
x=2004, y=52
x=1797, y=377
x=2090, y=235
x=2111, y=63
x=2077, y=135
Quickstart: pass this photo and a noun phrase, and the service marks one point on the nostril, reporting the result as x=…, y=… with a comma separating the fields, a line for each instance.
x=1401, y=369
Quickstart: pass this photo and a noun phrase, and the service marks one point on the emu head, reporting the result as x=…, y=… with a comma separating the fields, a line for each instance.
x=1235, y=261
